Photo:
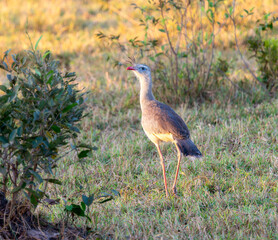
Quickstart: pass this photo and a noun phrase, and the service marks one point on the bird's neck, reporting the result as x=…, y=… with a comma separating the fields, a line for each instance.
x=146, y=94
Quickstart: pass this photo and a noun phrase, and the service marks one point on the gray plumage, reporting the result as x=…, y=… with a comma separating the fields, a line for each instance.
x=158, y=118
x=163, y=119
x=160, y=122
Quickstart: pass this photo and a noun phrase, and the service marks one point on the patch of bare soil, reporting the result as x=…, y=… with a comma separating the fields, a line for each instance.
x=19, y=223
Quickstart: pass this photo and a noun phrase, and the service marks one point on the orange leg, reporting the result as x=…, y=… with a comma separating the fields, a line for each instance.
x=177, y=172
x=163, y=168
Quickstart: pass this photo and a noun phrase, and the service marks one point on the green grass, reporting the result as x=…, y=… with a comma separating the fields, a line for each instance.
x=231, y=193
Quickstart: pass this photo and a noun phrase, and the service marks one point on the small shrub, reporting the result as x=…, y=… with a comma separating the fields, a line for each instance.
x=40, y=113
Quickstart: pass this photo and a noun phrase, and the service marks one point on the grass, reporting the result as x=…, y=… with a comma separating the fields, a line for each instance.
x=230, y=193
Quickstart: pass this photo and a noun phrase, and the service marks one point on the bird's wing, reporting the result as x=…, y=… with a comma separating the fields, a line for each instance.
x=159, y=118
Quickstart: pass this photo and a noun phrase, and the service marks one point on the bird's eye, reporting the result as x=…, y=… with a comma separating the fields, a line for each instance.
x=142, y=68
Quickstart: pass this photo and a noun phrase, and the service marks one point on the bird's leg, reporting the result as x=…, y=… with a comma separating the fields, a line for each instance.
x=163, y=168
x=177, y=172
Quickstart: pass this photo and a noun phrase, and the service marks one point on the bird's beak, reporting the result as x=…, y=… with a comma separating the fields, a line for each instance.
x=130, y=68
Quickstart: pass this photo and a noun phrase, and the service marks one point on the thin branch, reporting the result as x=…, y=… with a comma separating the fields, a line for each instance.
x=212, y=53
x=241, y=55
x=166, y=30
x=233, y=83
x=183, y=21
x=171, y=47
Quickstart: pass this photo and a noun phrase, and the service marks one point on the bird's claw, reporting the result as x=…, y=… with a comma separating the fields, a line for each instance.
x=175, y=191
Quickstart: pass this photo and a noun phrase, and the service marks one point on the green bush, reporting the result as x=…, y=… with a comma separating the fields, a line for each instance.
x=265, y=52
x=40, y=113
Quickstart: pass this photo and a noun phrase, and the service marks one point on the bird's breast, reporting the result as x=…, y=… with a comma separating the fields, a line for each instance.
x=160, y=137
x=165, y=137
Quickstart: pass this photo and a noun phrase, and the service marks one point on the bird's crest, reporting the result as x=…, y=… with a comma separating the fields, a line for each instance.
x=131, y=60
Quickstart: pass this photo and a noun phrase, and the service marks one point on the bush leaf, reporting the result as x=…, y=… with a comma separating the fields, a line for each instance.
x=83, y=154
x=88, y=200
x=69, y=107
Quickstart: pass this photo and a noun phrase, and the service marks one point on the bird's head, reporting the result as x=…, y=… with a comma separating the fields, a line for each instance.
x=141, y=71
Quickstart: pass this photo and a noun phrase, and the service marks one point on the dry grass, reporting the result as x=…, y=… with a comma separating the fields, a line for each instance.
x=70, y=26
x=69, y=30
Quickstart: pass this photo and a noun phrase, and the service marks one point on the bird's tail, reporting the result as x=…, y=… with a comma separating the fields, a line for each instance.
x=188, y=148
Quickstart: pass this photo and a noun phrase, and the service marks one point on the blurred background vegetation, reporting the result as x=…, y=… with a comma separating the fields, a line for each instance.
x=86, y=35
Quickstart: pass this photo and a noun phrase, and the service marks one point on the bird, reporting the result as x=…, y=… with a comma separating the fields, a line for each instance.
x=162, y=124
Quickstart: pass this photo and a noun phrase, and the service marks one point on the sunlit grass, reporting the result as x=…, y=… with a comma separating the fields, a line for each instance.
x=70, y=26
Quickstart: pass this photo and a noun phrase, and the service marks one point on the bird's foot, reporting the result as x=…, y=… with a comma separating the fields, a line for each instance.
x=175, y=191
